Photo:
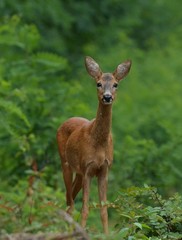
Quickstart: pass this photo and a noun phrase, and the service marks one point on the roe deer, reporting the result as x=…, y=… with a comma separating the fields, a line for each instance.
x=86, y=147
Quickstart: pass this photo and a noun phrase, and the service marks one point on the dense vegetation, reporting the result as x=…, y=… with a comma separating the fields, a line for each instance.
x=43, y=82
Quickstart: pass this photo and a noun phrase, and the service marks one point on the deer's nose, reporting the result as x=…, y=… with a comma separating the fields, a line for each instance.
x=107, y=98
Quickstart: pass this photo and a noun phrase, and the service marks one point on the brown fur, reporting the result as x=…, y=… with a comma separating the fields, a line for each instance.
x=86, y=147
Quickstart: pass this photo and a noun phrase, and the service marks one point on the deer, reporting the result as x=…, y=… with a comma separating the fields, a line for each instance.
x=86, y=147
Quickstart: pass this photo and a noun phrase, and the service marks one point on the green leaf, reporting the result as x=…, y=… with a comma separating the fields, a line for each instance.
x=125, y=215
x=124, y=232
x=139, y=225
x=32, y=173
x=146, y=226
x=94, y=204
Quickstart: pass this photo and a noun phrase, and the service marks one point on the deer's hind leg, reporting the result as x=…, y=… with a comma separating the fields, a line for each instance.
x=68, y=180
x=62, y=138
x=77, y=185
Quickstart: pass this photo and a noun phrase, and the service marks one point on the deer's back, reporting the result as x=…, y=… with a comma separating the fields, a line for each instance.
x=68, y=127
x=65, y=131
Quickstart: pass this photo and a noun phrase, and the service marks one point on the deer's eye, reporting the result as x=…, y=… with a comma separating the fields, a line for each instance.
x=115, y=85
x=99, y=84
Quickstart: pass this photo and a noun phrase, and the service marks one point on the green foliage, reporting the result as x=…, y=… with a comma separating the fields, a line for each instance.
x=146, y=161
x=26, y=96
x=144, y=214
x=43, y=82
x=140, y=213
x=89, y=23
x=31, y=210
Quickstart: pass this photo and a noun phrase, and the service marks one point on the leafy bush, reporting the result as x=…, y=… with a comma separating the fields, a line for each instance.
x=145, y=161
x=139, y=213
x=31, y=210
x=144, y=214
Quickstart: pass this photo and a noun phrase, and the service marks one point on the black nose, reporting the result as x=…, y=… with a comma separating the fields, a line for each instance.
x=107, y=98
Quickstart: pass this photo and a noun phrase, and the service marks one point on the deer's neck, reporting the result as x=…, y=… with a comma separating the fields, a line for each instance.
x=102, y=124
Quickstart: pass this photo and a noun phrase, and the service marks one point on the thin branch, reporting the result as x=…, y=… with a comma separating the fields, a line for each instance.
x=79, y=233
x=78, y=228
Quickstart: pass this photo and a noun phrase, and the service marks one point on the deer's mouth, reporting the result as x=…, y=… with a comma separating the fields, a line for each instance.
x=107, y=100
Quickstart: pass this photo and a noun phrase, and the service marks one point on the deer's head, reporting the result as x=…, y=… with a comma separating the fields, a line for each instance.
x=107, y=83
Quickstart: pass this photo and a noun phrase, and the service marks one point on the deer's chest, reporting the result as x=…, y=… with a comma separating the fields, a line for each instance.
x=86, y=152
x=97, y=156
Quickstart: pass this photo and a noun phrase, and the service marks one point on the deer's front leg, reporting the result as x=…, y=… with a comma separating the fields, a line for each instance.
x=102, y=187
x=86, y=190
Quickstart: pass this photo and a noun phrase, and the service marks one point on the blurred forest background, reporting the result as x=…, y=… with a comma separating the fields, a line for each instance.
x=43, y=82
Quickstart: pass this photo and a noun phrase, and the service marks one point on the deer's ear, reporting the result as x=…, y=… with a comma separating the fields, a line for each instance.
x=122, y=70
x=92, y=67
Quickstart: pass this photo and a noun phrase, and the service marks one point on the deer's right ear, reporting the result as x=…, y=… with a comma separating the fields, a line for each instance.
x=92, y=67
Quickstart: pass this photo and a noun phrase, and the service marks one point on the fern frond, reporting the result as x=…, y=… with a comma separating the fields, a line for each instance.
x=12, y=109
x=50, y=60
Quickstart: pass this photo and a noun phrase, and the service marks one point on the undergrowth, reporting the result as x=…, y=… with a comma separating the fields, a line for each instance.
x=138, y=213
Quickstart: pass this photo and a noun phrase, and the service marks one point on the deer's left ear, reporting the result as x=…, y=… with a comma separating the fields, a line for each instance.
x=122, y=70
